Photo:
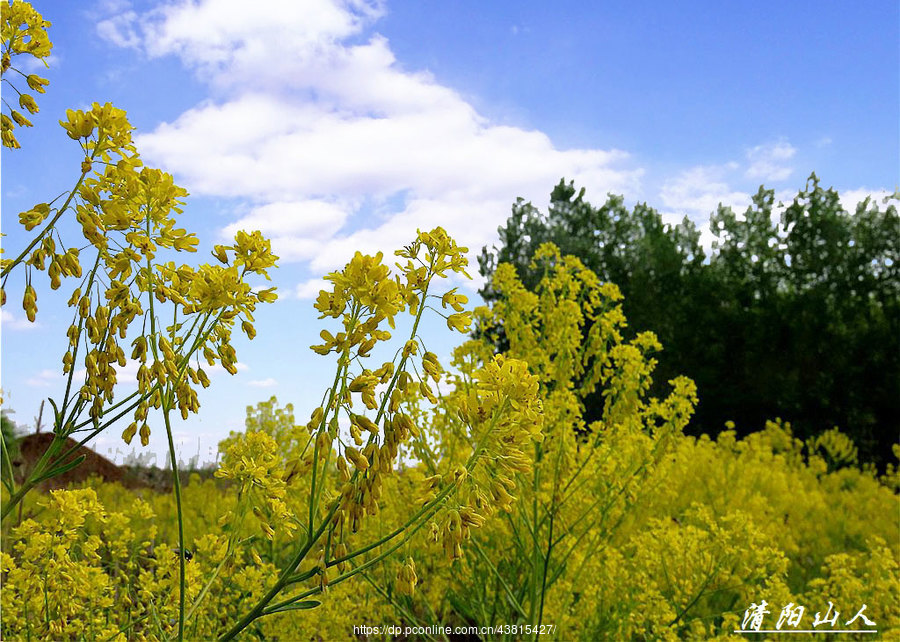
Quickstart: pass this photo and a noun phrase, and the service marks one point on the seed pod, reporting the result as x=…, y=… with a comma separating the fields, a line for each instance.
x=128, y=433
x=426, y=391
x=366, y=347
x=323, y=442
x=411, y=347
x=362, y=382
x=340, y=551
x=29, y=302
x=315, y=419
x=54, y=272
x=365, y=423
x=356, y=458
x=166, y=349
x=342, y=469
x=371, y=455
x=76, y=294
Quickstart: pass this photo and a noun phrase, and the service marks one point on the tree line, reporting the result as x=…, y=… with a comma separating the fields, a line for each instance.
x=794, y=316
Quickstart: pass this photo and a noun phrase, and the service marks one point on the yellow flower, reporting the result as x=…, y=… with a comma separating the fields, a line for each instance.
x=37, y=83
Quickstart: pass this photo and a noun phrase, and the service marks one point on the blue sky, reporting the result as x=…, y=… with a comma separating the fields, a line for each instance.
x=336, y=126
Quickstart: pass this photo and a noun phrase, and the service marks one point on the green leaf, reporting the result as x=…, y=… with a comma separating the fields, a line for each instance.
x=60, y=469
x=297, y=606
x=6, y=464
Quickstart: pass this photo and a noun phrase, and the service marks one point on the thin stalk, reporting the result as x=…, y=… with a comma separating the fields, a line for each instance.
x=126, y=628
x=166, y=408
x=404, y=612
x=205, y=589
x=341, y=367
x=4, y=274
x=10, y=483
x=176, y=481
x=544, y=573
x=348, y=574
x=502, y=582
x=365, y=549
x=90, y=281
x=38, y=470
x=554, y=507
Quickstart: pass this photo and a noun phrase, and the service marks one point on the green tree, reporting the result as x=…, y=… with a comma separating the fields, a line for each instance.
x=796, y=316
x=10, y=433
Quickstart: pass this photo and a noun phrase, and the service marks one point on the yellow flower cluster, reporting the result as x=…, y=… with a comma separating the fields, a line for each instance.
x=55, y=571
x=626, y=528
x=126, y=213
x=364, y=294
x=23, y=31
x=508, y=437
x=540, y=485
x=406, y=578
x=711, y=527
x=253, y=463
x=81, y=571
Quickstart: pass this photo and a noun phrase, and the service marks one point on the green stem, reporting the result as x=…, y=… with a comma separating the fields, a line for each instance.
x=341, y=367
x=426, y=508
x=206, y=588
x=404, y=612
x=348, y=574
x=30, y=483
x=506, y=588
x=167, y=398
x=8, y=479
x=544, y=574
x=90, y=281
x=314, y=535
x=554, y=508
x=37, y=239
x=176, y=481
x=535, y=549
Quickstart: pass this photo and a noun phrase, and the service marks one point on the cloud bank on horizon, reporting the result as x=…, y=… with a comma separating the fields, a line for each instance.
x=336, y=147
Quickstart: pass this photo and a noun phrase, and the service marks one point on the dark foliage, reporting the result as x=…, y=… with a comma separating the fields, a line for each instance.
x=797, y=318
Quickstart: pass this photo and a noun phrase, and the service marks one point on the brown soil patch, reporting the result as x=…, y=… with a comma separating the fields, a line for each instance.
x=32, y=447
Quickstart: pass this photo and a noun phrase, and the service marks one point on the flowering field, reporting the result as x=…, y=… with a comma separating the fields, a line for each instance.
x=428, y=498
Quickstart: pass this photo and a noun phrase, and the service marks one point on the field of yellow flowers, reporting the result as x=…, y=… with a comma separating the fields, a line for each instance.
x=415, y=496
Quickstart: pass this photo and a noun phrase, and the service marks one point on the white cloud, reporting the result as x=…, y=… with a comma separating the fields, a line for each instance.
x=11, y=321
x=224, y=35
x=769, y=162
x=296, y=228
x=336, y=145
x=263, y=383
x=310, y=289
x=45, y=378
x=314, y=219
x=120, y=30
x=851, y=198
x=698, y=191
x=39, y=66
